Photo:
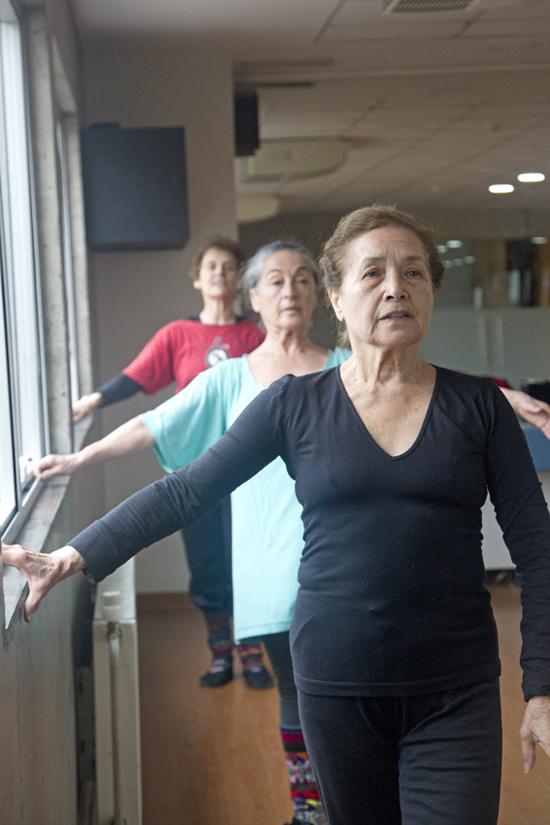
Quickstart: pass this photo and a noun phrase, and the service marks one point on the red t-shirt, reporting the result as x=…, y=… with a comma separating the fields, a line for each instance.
x=182, y=349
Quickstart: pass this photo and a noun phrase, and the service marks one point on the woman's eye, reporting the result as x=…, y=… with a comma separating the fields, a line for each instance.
x=370, y=273
x=414, y=273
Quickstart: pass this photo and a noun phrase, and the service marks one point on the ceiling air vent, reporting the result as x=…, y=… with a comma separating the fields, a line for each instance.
x=426, y=6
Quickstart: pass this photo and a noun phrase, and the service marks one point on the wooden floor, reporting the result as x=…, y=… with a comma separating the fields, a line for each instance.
x=213, y=757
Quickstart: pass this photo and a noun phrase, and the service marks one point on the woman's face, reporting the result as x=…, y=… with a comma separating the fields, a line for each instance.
x=218, y=274
x=386, y=296
x=285, y=295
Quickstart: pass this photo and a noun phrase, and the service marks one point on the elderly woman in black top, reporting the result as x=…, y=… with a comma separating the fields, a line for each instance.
x=394, y=643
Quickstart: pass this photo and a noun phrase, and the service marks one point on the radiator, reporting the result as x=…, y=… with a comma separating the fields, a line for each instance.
x=116, y=692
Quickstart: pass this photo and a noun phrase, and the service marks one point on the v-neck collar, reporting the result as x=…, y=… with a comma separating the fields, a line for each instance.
x=365, y=429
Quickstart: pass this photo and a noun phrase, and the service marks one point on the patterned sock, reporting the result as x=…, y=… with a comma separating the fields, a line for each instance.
x=220, y=641
x=304, y=792
x=251, y=657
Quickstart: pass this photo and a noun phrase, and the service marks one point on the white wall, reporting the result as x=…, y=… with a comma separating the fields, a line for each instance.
x=136, y=292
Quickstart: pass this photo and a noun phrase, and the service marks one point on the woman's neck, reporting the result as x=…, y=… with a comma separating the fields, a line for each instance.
x=286, y=343
x=376, y=366
x=217, y=312
x=285, y=352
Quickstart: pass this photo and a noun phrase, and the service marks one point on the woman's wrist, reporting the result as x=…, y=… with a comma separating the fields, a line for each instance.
x=95, y=399
x=67, y=561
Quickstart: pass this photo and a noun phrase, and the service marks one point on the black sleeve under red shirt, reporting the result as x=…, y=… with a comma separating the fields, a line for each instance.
x=392, y=598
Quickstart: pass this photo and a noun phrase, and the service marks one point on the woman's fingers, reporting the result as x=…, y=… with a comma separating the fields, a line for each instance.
x=85, y=405
x=44, y=465
x=40, y=570
x=534, y=411
x=528, y=753
x=82, y=407
x=53, y=465
x=535, y=730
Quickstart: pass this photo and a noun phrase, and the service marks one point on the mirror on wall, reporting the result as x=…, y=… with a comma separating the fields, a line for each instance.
x=495, y=273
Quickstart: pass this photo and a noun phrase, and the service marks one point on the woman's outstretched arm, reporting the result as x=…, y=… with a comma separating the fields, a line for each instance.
x=130, y=437
x=163, y=507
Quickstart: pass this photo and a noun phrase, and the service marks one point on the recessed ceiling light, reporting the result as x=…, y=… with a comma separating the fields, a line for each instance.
x=539, y=240
x=454, y=244
x=501, y=188
x=442, y=248
x=469, y=259
x=531, y=177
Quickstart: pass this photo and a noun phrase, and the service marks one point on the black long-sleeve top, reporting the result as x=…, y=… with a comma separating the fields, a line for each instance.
x=391, y=598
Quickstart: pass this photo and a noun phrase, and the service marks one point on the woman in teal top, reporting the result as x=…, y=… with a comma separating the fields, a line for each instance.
x=265, y=514
x=281, y=280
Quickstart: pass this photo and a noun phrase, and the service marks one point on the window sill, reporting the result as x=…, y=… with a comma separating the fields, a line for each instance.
x=31, y=528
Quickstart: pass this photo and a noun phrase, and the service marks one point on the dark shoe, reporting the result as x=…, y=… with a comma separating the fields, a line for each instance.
x=258, y=679
x=217, y=677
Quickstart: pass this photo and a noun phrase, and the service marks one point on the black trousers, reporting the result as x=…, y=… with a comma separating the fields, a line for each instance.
x=208, y=549
x=278, y=650
x=423, y=760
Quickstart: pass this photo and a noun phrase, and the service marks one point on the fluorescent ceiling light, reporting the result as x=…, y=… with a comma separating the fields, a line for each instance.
x=454, y=244
x=531, y=177
x=539, y=240
x=501, y=188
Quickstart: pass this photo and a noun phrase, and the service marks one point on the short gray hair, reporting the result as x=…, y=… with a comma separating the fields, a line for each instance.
x=253, y=267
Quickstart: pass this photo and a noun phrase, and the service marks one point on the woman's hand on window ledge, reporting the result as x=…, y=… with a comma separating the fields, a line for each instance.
x=86, y=405
x=56, y=465
x=41, y=570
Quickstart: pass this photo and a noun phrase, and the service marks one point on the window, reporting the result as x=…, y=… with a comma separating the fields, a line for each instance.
x=22, y=409
x=7, y=476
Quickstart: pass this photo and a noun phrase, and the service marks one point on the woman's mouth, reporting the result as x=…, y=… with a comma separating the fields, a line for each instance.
x=397, y=315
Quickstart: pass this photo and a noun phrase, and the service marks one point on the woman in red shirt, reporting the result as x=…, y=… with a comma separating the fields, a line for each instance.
x=177, y=353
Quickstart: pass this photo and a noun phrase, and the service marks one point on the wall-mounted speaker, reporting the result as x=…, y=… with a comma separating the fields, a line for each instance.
x=247, y=129
x=135, y=188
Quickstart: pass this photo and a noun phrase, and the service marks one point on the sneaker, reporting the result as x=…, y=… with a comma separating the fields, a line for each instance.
x=220, y=673
x=258, y=679
x=318, y=819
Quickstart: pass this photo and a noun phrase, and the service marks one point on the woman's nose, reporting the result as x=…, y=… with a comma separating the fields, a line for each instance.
x=394, y=286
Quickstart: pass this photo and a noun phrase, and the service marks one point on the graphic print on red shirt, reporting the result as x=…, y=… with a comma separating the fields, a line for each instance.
x=182, y=349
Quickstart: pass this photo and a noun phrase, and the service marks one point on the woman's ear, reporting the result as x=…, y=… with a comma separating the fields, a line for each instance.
x=197, y=285
x=253, y=299
x=334, y=298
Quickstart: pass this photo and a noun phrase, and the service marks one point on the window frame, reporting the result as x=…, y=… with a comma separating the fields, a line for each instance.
x=27, y=487
x=63, y=172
